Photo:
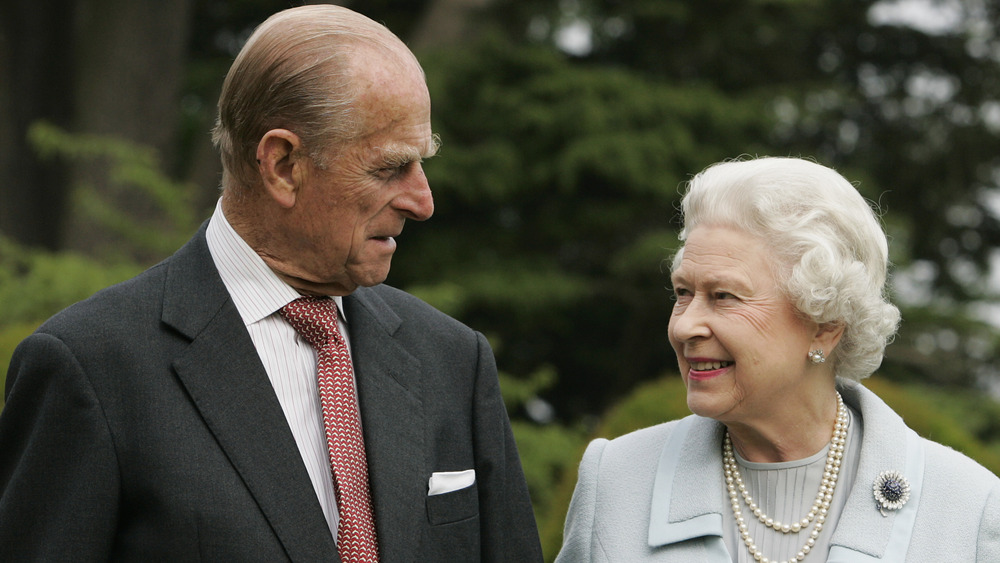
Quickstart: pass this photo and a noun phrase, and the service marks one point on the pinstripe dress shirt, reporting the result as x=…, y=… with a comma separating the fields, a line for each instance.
x=289, y=360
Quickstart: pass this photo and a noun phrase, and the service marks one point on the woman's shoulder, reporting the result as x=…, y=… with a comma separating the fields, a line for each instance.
x=944, y=468
x=963, y=498
x=956, y=470
x=648, y=435
x=645, y=442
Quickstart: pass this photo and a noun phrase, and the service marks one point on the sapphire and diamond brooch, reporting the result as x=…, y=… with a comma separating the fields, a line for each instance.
x=891, y=490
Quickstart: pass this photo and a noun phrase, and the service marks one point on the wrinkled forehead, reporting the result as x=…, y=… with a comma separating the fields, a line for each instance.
x=713, y=250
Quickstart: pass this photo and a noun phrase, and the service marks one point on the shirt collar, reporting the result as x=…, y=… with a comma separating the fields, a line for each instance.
x=256, y=290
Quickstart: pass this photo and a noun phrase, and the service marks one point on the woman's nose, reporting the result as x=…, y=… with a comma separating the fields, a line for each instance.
x=691, y=321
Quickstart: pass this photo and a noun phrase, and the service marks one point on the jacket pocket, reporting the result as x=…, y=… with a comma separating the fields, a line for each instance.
x=454, y=506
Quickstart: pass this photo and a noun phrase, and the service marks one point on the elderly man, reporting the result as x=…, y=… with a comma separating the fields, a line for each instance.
x=259, y=396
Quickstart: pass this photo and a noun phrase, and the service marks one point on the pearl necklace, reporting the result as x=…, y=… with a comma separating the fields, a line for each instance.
x=737, y=488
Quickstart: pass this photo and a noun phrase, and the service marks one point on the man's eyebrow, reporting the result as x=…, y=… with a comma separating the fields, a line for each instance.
x=401, y=155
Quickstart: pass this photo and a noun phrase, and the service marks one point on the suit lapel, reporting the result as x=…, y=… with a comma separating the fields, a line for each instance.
x=227, y=383
x=393, y=419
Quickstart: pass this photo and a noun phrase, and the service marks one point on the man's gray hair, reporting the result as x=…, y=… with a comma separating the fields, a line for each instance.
x=296, y=72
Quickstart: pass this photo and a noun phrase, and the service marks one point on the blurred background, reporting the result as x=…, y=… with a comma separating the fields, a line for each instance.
x=568, y=129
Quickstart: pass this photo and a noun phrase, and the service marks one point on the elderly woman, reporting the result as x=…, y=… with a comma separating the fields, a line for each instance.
x=780, y=309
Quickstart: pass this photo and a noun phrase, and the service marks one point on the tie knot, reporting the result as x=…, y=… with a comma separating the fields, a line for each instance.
x=314, y=318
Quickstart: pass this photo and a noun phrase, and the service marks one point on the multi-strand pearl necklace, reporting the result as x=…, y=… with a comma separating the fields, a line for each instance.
x=737, y=489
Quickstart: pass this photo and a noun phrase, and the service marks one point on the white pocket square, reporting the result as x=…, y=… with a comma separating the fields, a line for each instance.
x=447, y=481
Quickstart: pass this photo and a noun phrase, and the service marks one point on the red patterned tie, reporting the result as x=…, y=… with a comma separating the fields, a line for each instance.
x=315, y=319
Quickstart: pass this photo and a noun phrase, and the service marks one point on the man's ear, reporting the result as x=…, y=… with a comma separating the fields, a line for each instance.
x=279, y=165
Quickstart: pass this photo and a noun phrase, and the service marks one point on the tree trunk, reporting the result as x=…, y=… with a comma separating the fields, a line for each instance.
x=130, y=64
x=36, y=70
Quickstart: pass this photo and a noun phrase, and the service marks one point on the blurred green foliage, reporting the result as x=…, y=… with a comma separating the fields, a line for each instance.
x=36, y=284
x=130, y=172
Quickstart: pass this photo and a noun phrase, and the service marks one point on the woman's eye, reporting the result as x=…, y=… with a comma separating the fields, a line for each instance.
x=721, y=295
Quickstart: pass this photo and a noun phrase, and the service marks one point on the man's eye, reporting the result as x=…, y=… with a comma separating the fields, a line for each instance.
x=389, y=172
x=724, y=295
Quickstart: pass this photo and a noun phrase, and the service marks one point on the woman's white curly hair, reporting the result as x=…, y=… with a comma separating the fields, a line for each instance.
x=828, y=248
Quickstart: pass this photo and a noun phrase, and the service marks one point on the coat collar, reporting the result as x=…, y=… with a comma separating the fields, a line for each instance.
x=687, y=490
x=688, y=496
x=863, y=533
x=222, y=373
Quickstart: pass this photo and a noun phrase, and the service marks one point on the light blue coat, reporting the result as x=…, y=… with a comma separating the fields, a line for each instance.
x=656, y=495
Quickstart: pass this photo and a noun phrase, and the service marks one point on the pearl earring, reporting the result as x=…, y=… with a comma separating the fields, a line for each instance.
x=817, y=356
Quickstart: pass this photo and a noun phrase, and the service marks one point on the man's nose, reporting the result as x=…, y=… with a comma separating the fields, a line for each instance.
x=416, y=201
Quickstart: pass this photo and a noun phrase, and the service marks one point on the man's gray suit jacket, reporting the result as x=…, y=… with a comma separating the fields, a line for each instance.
x=140, y=425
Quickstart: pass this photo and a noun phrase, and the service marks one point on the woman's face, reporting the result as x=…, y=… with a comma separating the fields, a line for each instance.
x=740, y=344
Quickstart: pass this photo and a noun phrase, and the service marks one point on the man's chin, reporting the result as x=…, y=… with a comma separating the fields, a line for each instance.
x=371, y=281
x=336, y=287
x=343, y=282
x=367, y=277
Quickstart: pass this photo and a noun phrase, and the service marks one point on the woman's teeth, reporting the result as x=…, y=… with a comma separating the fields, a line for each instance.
x=708, y=366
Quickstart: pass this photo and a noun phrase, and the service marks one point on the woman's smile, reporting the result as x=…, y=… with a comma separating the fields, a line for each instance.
x=701, y=369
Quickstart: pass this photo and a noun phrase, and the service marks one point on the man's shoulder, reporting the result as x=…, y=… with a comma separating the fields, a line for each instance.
x=138, y=299
x=408, y=307
x=122, y=300
x=396, y=297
